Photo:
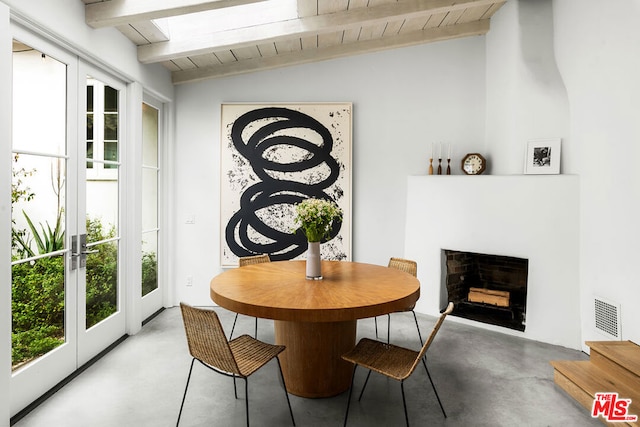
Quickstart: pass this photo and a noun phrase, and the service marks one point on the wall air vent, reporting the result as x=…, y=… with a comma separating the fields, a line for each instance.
x=607, y=318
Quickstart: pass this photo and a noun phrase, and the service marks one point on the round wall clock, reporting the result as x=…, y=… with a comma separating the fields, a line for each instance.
x=473, y=164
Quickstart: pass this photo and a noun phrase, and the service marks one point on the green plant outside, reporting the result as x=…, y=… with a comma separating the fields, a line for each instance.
x=101, y=274
x=149, y=272
x=38, y=287
x=37, y=308
x=38, y=294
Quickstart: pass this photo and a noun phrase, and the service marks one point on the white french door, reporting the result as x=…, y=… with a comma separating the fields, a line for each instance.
x=44, y=345
x=99, y=259
x=152, y=234
x=68, y=255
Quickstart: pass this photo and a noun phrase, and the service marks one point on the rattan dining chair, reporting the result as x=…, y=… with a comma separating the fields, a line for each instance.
x=250, y=260
x=411, y=267
x=392, y=361
x=238, y=358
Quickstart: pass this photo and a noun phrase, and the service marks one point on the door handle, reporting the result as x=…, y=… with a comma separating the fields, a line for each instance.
x=74, y=252
x=79, y=258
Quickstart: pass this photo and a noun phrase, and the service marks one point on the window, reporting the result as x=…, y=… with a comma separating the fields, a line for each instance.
x=150, y=182
x=102, y=131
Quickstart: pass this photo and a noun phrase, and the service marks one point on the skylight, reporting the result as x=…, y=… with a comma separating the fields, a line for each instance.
x=262, y=12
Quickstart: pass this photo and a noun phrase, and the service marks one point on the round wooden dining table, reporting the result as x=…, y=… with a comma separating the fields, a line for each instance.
x=315, y=319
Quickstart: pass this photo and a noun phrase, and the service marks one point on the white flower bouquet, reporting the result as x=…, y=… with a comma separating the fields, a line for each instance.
x=315, y=217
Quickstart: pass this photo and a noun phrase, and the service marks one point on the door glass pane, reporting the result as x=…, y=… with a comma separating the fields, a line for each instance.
x=110, y=100
x=89, y=126
x=149, y=136
x=150, y=174
x=38, y=197
x=149, y=198
x=110, y=126
x=89, y=154
x=150, y=229
x=149, y=262
x=110, y=153
x=102, y=130
x=39, y=100
x=102, y=274
x=102, y=203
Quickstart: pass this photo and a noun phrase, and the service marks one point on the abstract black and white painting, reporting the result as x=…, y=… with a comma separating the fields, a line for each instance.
x=273, y=157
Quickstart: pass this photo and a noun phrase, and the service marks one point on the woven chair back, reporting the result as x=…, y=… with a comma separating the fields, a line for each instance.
x=406, y=265
x=206, y=339
x=433, y=334
x=255, y=259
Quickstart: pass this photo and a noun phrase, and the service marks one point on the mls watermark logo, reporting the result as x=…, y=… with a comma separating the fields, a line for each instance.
x=612, y=408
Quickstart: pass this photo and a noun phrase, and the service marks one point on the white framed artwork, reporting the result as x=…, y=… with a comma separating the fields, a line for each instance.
x=542, y=156
x=273, y=156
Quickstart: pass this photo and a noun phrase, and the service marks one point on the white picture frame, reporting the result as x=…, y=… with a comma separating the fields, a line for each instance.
x=542, y=156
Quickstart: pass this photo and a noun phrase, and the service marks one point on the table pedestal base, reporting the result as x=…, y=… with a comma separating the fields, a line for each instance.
x=312, y=363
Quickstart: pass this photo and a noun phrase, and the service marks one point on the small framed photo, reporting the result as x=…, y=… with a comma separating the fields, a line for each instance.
x=542, y=157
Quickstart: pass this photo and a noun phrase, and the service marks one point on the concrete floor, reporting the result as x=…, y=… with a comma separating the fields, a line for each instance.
x=484, y=378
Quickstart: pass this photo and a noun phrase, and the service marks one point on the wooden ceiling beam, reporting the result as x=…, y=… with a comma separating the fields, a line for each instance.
x=144, y=32
x=121, y=12
x=189, y=45
x=429, y=35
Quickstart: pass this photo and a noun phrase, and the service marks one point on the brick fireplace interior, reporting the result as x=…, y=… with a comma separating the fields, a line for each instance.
x=488, y=288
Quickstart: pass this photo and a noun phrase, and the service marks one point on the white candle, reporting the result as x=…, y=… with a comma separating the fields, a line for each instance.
x=449, y=153
x=440, y=150
x=432, y=150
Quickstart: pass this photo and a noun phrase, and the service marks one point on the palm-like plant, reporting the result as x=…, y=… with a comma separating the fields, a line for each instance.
x=47, y=239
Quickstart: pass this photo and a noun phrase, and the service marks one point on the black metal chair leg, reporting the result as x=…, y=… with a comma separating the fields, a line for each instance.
x=404, y=403
x=434, y=387
x=185, y=391
x=246, y=398
x=375, y=320
x=285, y=390
x=415, y=318
x=349, y=398
x=235, y=389
x=365, y=385
x=233, y=327
x=417, y=327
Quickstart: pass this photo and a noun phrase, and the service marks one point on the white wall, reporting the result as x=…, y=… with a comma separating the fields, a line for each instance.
x=526, y=98
x=597, y=52
x=403, y=100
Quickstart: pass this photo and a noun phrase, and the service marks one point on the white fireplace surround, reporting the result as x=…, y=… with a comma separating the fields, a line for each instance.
x=532, y=217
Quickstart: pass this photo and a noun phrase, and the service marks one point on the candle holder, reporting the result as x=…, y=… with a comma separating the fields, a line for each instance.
x=439, y=166
x=430, y=166
x=449, y=166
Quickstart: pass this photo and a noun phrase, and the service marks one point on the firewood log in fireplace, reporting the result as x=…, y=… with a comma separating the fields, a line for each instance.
x=489, y=296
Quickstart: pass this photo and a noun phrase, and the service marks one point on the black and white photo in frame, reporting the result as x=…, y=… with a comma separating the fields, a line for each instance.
x=542, y=156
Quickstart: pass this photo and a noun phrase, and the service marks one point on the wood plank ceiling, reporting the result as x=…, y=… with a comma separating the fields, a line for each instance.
x=203, y=39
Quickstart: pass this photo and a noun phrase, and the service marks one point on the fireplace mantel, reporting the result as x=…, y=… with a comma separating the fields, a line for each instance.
x=527, y=216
